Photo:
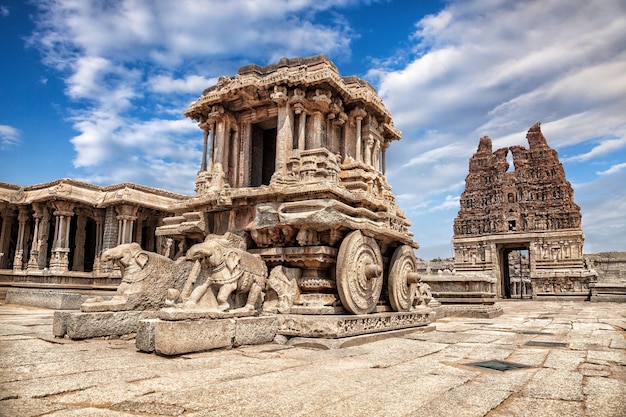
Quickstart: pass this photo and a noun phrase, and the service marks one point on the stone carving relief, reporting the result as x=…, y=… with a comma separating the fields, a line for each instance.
x=146, y=278
x=224, y=278
x=283, y=291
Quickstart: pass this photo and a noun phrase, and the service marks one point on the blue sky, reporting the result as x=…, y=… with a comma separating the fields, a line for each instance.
x=95, y=90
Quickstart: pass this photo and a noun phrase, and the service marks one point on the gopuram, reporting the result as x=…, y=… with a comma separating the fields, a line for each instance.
x=518, y=232
x=293, y=229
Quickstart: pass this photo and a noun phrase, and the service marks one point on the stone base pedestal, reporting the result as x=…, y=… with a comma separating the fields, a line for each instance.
x=612, y=292
x=177, y=337
x=45, y=299
x=78, y=325
x=462, y=289
x=353, y=325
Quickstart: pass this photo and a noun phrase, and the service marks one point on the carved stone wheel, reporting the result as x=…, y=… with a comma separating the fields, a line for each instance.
x=359, y=273
x=402, y=268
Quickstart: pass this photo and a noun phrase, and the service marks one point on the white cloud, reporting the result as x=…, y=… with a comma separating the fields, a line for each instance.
x=190, y=84
x=4, y=11
x=604, y=147
x=9, y=136
x=613, y=170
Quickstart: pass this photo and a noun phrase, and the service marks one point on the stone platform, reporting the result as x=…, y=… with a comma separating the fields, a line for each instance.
x=45, y=298
x=179, y=332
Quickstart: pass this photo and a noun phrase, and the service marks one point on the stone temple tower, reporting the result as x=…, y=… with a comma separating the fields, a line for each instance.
x=528, y=209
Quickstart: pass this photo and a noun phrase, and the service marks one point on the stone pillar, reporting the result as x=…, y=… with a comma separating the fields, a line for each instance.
x=245, y=156
x=376, y=155
x=211, y=146
x=22, y=217
x=233, y=171
x=297, y=101
x=64, y=210
x=284, y=134
x=369, y=147
x=33, y=260
x=78, y=261
x=141, y=218
x=317, y=130
x=359, y=114
x=44, y=233
x=98, y=217
x=322, y=101
x=205, y=142
x=219, y=141
x=301, y=129
x=384, y=157
x=126, y=216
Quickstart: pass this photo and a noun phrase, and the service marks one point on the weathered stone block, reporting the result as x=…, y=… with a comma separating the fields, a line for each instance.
x=352, y=325
x=44, y=299
x=179, y=337
x=77, y=325
x=144, y=341
x=255, y=330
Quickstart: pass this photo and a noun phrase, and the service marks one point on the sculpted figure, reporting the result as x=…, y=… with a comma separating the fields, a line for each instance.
x=231, y=275
x=146, y=278
x=420, y=294
x=283, y=291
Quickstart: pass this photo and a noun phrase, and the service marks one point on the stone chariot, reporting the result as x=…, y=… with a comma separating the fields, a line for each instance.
x=294, y=164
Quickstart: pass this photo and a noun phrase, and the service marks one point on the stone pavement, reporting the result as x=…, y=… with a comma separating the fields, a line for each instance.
x=575, y=353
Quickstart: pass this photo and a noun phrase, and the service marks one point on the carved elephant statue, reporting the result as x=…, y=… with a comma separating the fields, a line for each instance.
x=229, y=270
x=146, y=278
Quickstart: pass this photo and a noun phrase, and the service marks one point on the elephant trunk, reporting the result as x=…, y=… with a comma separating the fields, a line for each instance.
x=197, y=252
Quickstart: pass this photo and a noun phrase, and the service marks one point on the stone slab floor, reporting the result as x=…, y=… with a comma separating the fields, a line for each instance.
x=575, y=353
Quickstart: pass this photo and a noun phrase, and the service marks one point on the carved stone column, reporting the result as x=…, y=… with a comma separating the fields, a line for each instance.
x=205, y=143
x=369, y=147
x=321, y=106
x=211, y=146
x=126, y=216
x=44, y=237
x=385, y=145
x=33, y=260
x=359, y=114
x=376, y=156
x=22, y=218
x=142, y=215
x=317, y=130
x=219, y=141
x=233, y=168
x=284, y=134
x=301, y=129
x=64, y=210
x=98, y=217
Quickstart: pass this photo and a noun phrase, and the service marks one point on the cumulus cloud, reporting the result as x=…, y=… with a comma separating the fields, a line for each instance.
x=494, y=68
x=9, y=136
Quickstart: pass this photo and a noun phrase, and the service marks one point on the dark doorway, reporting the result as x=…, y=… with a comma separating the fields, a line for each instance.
x=263, y=153
x=90, y=245
x=515, y=271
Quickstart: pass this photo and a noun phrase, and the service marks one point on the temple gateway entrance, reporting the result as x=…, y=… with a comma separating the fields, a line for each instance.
x=514, y=280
